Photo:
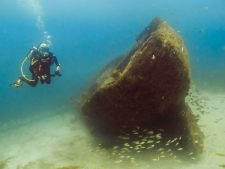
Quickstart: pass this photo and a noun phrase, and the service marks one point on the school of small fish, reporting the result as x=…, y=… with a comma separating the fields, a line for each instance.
x=147, y=141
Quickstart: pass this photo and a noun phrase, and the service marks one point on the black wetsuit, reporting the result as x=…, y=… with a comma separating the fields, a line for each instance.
x=40, y=67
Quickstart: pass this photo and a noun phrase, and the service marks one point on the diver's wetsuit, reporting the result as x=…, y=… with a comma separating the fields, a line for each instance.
x=40, y=67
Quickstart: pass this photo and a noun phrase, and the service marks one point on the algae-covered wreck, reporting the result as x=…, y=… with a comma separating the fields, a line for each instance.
x=146, y=90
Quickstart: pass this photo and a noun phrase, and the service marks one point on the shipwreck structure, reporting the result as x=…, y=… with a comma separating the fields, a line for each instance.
x=146, y=90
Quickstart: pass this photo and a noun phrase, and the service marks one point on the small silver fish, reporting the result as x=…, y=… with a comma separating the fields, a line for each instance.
x=150, y=132
x=191, y=153
x=150, y=141
x=182, y=49
x=160, y=149
x=126, y=144
x=118, y=161
x=177, y=144
x=174, y=140
x=153, y=57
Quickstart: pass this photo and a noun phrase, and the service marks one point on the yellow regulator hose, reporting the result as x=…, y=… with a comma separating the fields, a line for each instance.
x=22, y=73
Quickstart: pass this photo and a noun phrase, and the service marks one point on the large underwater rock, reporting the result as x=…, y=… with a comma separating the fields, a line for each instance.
x=146, y=89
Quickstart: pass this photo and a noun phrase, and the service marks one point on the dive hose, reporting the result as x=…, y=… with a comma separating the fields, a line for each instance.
x=21, y=70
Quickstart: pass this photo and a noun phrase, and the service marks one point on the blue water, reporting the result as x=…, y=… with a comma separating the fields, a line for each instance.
x=86, y=35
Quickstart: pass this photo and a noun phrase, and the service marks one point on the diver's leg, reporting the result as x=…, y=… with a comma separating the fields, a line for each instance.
x=42, y=81
x=48, y=79
x=48, y=73
x=17, y=83
x=32, y=82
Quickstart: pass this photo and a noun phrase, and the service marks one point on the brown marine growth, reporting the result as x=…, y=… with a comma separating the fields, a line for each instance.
x=146, y=89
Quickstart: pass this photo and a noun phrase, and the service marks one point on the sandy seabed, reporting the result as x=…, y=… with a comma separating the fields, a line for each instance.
x=61, y=141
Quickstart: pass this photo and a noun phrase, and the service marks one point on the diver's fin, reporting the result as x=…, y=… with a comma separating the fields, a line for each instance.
x=17, y=84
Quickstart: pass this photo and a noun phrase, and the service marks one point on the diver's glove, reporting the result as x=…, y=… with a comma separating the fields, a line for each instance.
x=57, y=71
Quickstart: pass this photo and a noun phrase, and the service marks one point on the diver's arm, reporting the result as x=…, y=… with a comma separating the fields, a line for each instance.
x=55, y=60
x=57, y=70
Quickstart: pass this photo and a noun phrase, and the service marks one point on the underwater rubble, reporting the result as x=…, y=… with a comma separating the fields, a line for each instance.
x=137, y=103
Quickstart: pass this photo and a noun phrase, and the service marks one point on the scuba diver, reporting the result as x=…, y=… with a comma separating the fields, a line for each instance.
x=41, y=60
